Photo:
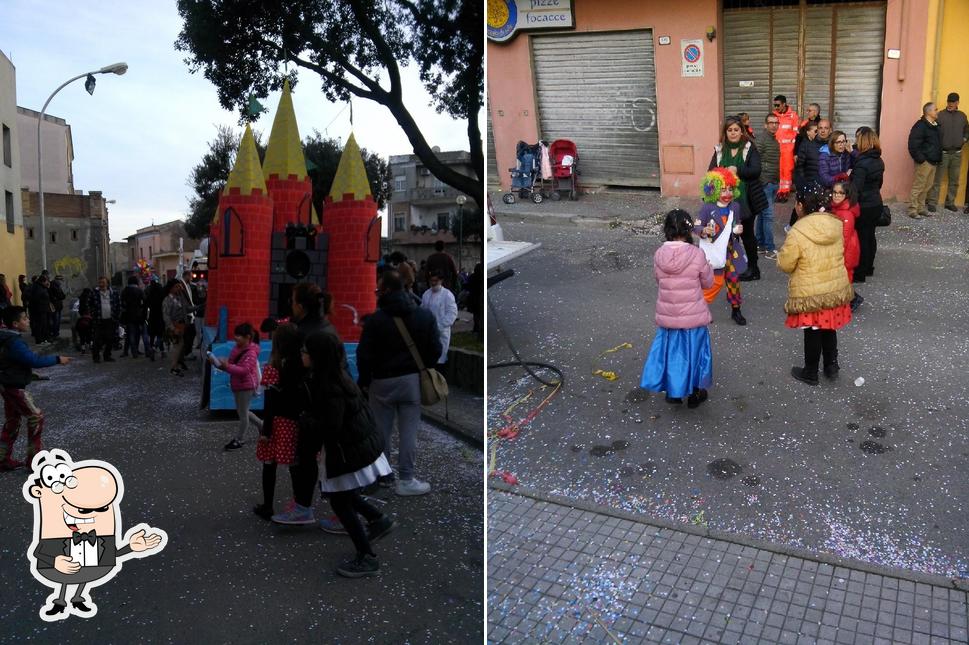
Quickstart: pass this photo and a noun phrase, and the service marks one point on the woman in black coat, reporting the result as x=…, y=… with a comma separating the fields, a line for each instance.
x=353, y=448
x=866, y=180
x=737, y=151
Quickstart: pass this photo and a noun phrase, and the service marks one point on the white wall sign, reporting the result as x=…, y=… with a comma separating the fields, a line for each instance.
x=691, y=57
x=507, y=17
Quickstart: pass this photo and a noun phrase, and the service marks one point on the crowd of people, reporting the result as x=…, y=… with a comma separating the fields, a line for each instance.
x=830, y=243
x=331, y=432
x=466, y=288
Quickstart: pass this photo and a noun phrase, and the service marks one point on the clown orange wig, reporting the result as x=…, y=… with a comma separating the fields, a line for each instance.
x=717, y=180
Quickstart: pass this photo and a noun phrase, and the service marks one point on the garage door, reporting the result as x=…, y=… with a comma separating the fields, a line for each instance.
x=837, y=63
x=599, y=90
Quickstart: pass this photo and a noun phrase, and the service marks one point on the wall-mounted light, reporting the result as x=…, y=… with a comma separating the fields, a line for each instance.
x=711, y=33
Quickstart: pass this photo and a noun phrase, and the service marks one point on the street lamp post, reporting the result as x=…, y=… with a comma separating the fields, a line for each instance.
x=116, y=68
x=461, y=199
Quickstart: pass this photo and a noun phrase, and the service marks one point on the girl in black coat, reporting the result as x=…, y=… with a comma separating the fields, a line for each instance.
x=866, y=180
x=352, y=447
x=286, y=399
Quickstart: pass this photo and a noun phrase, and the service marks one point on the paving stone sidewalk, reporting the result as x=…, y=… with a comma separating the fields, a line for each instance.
x=558, y=574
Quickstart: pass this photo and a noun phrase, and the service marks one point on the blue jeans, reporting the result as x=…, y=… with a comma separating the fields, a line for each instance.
x=765, y=221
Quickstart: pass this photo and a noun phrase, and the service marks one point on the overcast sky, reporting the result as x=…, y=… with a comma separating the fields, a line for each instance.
x=138, y=137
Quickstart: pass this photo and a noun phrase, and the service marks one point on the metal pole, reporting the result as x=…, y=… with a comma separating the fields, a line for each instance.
x=117, y=68
x=40, y=172
x=460, y=235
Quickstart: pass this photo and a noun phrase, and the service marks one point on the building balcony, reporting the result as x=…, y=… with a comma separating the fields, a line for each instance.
x=427, y=196
x=417, y=235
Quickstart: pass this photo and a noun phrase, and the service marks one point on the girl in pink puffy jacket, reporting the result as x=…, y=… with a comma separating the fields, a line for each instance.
x=680, y=362
x=244, y=376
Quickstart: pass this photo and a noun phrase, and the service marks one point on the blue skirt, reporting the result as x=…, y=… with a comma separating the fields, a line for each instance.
x=679, y=362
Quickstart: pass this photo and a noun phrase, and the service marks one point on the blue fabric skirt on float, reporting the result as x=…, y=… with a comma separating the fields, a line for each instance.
x=679, y=362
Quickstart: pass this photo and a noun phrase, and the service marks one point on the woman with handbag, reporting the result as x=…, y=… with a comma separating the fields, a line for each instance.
x=353, y=448
x=175, y=314
x=866, y=179
x=398, y=343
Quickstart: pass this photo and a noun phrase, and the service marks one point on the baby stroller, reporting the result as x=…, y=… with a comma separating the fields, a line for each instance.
x=565, y=168
x=526, y=175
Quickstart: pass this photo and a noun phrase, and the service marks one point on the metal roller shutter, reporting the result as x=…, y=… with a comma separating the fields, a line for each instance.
x=599, y=90
x=784, y=54
x=746, y=70
x=858, y=68
x=493, y=178
x=843, y=51
x=817, y=58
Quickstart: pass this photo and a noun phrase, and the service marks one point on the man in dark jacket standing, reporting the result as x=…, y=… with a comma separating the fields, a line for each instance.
x=40, y=311
x=57, y=297
x=390, y=375
x=133, y=317
x=104, y=304
x=954, y=132
x=770, y=156
x=925, y=146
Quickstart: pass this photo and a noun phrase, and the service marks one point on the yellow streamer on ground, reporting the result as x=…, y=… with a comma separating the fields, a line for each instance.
x=609, y=376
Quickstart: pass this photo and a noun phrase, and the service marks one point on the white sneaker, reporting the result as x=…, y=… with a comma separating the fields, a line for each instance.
x=407, y=487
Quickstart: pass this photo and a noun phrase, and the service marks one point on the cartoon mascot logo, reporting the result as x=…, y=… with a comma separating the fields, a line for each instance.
x=77, y=525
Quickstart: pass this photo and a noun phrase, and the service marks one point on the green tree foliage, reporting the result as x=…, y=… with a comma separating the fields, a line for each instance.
x=209, y=177
x=468, y=223
x=355, y=46
x=322, y=157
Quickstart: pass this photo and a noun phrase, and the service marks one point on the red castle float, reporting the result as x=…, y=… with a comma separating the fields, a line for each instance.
x=266, y=238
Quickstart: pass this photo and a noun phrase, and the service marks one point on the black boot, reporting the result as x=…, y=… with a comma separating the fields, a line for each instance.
x=753, y=273
x=738, y=317
x=831, y=369
x=805, y=375
x=856, y=302
x=694, y=400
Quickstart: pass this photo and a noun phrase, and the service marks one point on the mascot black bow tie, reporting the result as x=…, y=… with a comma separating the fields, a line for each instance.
x=79, y=537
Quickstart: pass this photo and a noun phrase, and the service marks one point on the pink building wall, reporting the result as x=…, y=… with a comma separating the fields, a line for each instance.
x=690, y=110
x=906, y=28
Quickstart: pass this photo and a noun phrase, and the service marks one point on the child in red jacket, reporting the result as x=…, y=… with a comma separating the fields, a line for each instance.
x=844, y=205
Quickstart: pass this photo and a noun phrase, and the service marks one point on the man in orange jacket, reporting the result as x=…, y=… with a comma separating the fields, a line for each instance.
x=786, y=135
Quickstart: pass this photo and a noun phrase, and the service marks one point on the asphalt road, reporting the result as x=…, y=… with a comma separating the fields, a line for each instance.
x=227, y=576
x=878, y=473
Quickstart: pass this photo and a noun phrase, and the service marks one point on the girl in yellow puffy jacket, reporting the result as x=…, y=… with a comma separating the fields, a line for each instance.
x=818, y=293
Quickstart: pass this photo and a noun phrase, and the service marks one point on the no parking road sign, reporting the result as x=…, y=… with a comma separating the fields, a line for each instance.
x=691, y=56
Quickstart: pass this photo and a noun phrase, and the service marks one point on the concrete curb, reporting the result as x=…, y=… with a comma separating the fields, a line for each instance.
x=462, y=432
x=736, y=538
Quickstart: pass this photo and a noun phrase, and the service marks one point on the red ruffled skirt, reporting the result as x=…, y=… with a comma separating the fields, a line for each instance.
x=281, y=447
x=834, y=318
